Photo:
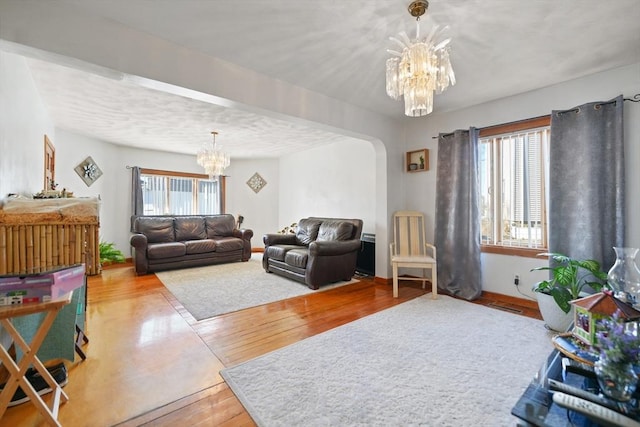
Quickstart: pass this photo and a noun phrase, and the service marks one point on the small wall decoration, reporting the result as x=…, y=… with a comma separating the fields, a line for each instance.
x=88, y=171
x=256, y=182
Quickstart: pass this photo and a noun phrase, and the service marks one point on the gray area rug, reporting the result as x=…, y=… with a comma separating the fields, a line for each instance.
x=217, y=289
x=425, y=362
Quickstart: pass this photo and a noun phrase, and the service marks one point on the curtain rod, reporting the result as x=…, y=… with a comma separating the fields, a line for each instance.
x=634, y=98
x=501, y=124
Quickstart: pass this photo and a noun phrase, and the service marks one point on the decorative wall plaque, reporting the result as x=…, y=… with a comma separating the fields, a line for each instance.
x=256, y=182
x=88, y=171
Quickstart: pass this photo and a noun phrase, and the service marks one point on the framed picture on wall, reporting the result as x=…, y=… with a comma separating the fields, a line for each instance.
x=88, y=171
x=49, y=165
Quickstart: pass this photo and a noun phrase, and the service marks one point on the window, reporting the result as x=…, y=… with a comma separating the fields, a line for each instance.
x=513, y=175
x=175, y=193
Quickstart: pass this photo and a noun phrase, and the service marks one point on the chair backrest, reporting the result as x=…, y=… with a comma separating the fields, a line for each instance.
x=409, y=238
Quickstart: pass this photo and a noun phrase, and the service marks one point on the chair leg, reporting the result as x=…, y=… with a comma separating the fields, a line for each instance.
x=81, y=338
x=395, y=281
x=434, y=282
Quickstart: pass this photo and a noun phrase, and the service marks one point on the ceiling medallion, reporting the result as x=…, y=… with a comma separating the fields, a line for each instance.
x=420, y=68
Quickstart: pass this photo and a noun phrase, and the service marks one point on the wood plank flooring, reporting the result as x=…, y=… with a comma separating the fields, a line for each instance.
x=149, y=362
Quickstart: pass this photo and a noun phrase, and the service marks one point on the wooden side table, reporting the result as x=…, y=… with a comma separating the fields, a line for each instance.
x=18, y=370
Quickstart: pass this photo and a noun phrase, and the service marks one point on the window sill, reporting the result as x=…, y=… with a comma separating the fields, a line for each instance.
x=508, y=250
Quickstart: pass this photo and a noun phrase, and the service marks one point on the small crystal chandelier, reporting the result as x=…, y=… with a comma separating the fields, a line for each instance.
x=213, y=159
x=421, y=68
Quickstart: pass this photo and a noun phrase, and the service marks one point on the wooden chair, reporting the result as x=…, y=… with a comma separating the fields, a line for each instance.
x=410, y=249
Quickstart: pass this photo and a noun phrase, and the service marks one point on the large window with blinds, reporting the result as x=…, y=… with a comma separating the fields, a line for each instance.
x=513, y=176
x=174, y=193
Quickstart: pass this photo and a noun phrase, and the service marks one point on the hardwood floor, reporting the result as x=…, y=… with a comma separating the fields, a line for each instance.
x=149, y=362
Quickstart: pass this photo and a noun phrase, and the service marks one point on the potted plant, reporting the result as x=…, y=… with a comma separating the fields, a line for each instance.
x=569, y=277
x=109, y=254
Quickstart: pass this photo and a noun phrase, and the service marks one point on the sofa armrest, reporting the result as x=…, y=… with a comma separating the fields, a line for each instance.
x=140, y=243
x=279, y=239
x=243, y=233
x=333, y=247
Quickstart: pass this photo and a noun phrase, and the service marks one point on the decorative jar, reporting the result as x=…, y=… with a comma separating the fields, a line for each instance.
x=624, y=276
x=617, y=380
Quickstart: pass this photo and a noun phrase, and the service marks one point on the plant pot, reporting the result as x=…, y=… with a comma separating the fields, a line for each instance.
x=553, y=316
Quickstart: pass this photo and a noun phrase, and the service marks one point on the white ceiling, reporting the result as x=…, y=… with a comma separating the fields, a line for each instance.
x=334, y=47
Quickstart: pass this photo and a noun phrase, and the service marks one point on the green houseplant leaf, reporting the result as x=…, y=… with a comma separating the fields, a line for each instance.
x=109, y=253
x=569, y=277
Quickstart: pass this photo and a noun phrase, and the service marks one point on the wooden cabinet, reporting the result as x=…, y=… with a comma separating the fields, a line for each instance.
x=40, y=234
x=417, y=161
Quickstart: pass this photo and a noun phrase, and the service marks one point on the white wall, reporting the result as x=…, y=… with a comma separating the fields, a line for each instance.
x=309, y=183
x=499, y=270
x=338, y=180
x=24, y=122
x=73, y=149
x=260, y=210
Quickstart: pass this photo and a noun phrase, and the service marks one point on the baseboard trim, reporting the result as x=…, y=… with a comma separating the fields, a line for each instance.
x=523, y=302
x=506, y=299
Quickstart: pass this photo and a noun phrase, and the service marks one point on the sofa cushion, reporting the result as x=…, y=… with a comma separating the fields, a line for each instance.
x=307, y=231
x=190, y=228
x=157, y=230
x=297, y=257
x=200, y=246
x=228, y=244
x=279, y=251
x=220, y=226
x=335, y=230
x=166, y=250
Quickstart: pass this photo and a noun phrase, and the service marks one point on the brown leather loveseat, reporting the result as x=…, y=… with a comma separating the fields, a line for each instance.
x=169, y=242
x=322, y=251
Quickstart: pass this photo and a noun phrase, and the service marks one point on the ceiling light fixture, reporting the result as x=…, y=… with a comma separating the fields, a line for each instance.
x=212, y=158
x=421, y=68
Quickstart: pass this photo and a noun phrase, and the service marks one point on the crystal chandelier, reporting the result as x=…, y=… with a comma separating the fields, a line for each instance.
x=420, y=68
x=213, y=159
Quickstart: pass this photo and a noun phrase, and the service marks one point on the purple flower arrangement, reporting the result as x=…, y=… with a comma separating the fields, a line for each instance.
x=617, y=342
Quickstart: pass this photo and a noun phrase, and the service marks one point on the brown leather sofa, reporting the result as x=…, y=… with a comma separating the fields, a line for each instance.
x=322, y=251
x=169, y=242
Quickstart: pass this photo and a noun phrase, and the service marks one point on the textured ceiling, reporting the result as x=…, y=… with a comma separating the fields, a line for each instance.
x=334, y=47
x=127, y=114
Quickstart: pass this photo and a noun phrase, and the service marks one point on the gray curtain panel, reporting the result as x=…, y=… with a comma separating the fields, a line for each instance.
x=136, y=194
x=587, y=186
x=457, y=233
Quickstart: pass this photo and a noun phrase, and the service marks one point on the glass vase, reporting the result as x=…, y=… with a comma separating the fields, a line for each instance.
x=624, y=276
x=617, y=380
